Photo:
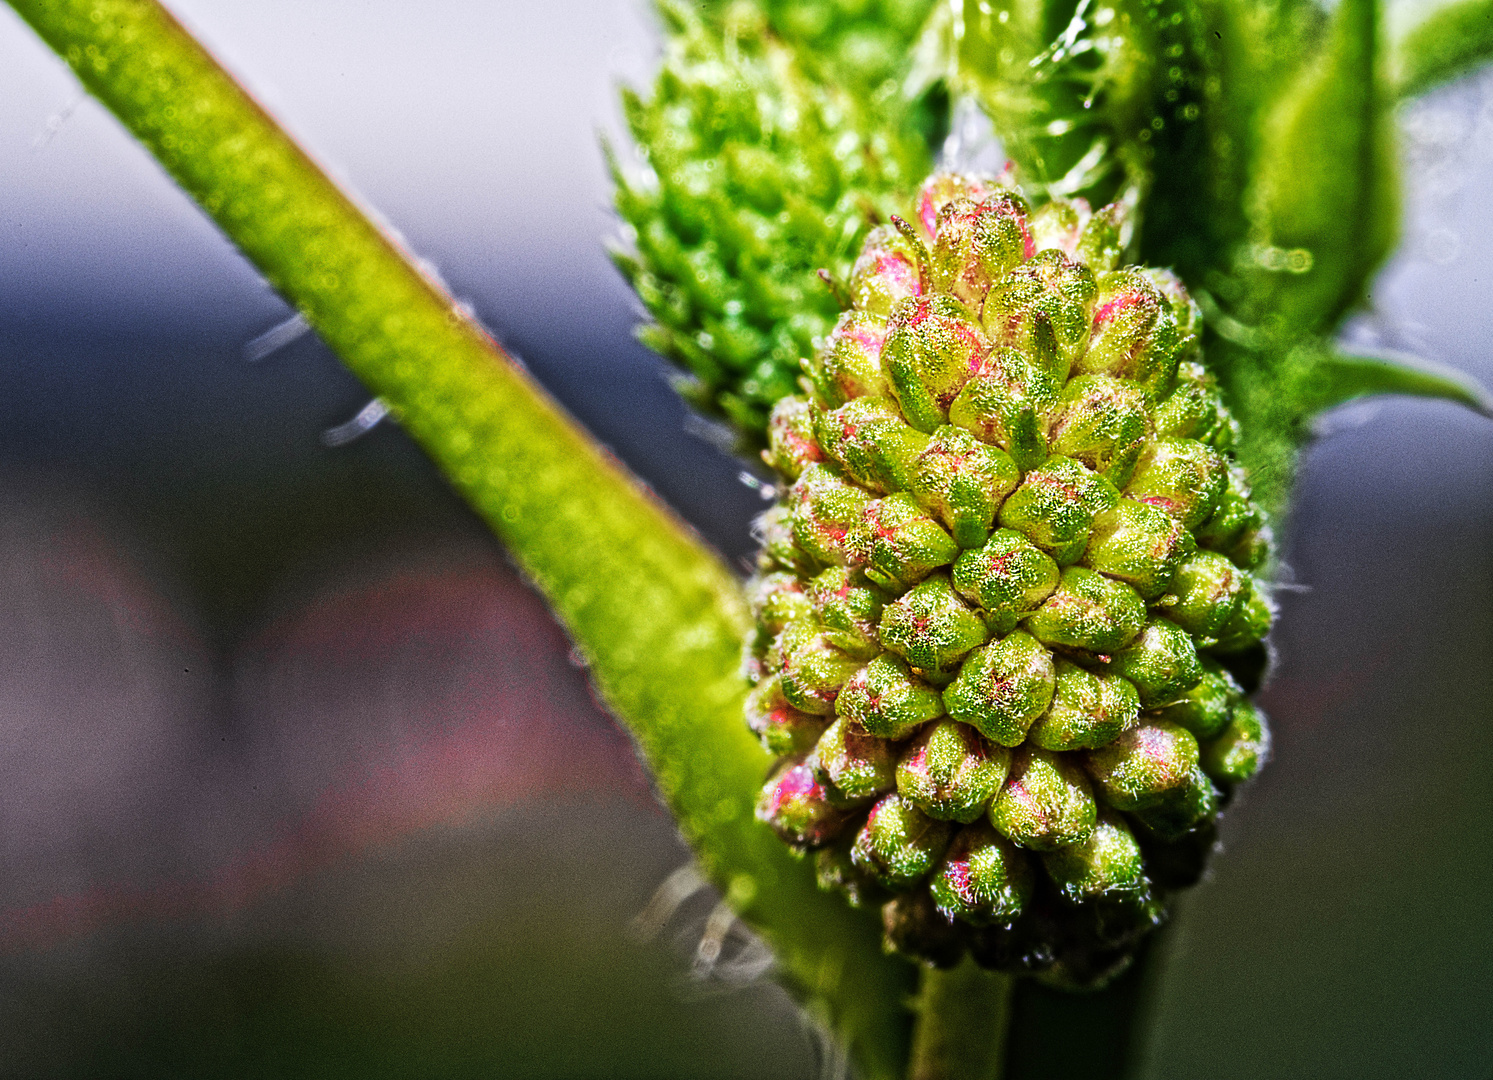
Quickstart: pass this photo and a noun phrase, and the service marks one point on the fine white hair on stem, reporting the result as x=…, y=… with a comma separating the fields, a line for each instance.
x=276, y=338
x=366, y=420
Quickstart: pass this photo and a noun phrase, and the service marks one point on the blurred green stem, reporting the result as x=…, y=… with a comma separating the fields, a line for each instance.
x=962, y=1019
x=657, y=615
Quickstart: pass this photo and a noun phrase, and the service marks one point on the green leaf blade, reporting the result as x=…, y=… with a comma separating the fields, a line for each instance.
x=1452, y=41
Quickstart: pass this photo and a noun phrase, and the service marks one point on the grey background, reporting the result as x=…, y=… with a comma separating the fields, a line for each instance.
x=294, y=775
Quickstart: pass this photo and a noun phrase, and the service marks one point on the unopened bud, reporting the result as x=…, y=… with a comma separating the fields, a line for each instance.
x=849, y=609
x=1055, y=506
x=774, y=529
x=1144, y=765
x=940, y=189
x=886, y=272
x=901, y=543
x=950, y=772
x=1162, y=663
x=797, y=807
x=1195, y=410
x=783, y=730
x=1105, y=236
x=1089, y=611
x=1042, y=308
x=1135, y=335
x=849, y=364
x=984, y=878
x=1138, y=544
x=888, y=700
x=1003, y=688
x=1106, y=865
x=827, y=514
x=1007, y=579
x=1007, y=403
x=777, y=599
x=1182, y=477
x=1189, y=807
x=1102, y=423
x=1244, y=746
x=931, y=628
x=1249, y=623
x=976, y=243
x=1205, y=710
x=854, y=766
x=932, y=348
x=899, y=843
x=1059, y=223
x=1205, y=594
x=790, y=437
x=961, y=482
x=1046, y=802
x=1088, y=709
x=813, y=674
x=871, y=442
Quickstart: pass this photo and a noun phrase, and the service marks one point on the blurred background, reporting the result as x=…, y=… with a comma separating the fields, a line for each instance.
x=296, y=776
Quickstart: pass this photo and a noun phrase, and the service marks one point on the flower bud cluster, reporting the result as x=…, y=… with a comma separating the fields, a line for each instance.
x=1006, y=603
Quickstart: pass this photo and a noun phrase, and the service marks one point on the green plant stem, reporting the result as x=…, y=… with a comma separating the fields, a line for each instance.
x=963, y=1016
x=654, y=611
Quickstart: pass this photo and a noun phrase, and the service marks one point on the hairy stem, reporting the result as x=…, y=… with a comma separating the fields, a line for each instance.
x=654, y=611
x=963, y=1016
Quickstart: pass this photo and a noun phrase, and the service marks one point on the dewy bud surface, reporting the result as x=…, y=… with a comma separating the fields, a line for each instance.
x=1001, y=604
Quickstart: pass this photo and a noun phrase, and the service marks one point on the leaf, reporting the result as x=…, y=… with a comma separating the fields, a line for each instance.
x=1449, y=43
x=1339, y=377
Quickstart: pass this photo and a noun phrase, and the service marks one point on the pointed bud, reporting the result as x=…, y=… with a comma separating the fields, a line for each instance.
x=886, y=272
x=961, y=482
x=1162, y=663
x=1249, y=624
x=1003, y=688
x=932, y=347
x=1182, y=477
x=783, y=730
x=871, y=442
x=899, y=843
x=931, y=628
x=777, y=599
x=1191, y=806
x=901, y=544
x=849, y=364
x=984, y=878
x=774, y=531
x=950, y=772
x=976, y=243
x=1090, y=612
x=849, y=609
x=1106, y=865
x=797, y=808
x=1135, y=335
x=813, y=674
x=1105, y=236
x=1007, y=403
x=827, y=514
x=1088, y=709
x=855, y=767
x=1046, y=802
x=1007, y=579
x=1237, y=527
x=1205, y=710
x=1184, y=309
x=1138, y=544
x=1042, y=308
x=1144, y=765
x=790, y=437
x=1101, y=422
x=1195, y=410
x=912, y=926
x=1055, y=506
x=1205, y=595
x=940, y=189
x=1059, y=223
x=1244, y=746
x=886, y=699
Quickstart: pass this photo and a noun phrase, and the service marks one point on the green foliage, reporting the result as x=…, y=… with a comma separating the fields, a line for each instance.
x=758, y=176
x=1451, y=41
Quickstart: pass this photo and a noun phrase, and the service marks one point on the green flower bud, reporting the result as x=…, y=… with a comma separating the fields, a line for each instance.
x=1182, y=477
x=1162, y=663
x=975, y=243
x=1195, y=410
x=849, y=609
x=1135, y=336
x=1105, y=236
x=827, y=514
x=912, y=926
x=1138, y=544
x=940, y=189
x=1006, y=403
x=1042, y=308
x=1235, y=512
x=899, y=843
x=1007, y=578
x=887, y=700
x=869, y=440
x=1088, y=709
x=835, y=871
x=790, y=437
x=932, y=347
x=931, y=628
x=1205, y=594
x=962, y=482
x=1059, y=223
x=1089, y=611
x=774, y=531
x=1101, y=422
x=855, y=767
x=792, y=637
x=1055, y=506
x=1184, y=809
x=984, y=878
x=1003, y=688
x=798, y=809
x=1144, y=765
x=1106, y=865
x=813, y=674
x=886, y=272
x=1045, y=803
x=901, y=543
x=950, y=772
x=1244, y=746
x=849, y=364
x=1249, y=623
x=783, y=730
x=777, y=599
x=1205, y=710
x=1185, y=312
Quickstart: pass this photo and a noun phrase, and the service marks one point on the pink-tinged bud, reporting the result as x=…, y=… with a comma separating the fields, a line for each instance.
x=871, y=442
x=1102, y=422
x=976, y=243
x=1007, y=579
x=886, y=272
x=1138, y=544
x=888, y=700
x=899, y=843
x=1088, y=709
x=950, y=772
x=1055, y=507
x=1009, y=402
x=984, y=878
x=932, y=348
x=900, y=544
x=1060, y=224
x=1135, y=335
x=1003, y=688
x=782, y=729
x=777, y=599
x=813, y=674
x=1089, y=612
x=1182, y=477
x=940, y=189
x=854, y=766
x=1185, y=311
x=849, y=364
x=1205, y=594
x=797, y=807
x=849, y=609
x=790, y=437
x=931, y=628
x=827, y=515
x=962, y=482
x=1144, y=765
x=1043, y=308
x=1046, y=802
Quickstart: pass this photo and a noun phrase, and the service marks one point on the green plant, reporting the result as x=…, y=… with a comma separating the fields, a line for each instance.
x=656, y=614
